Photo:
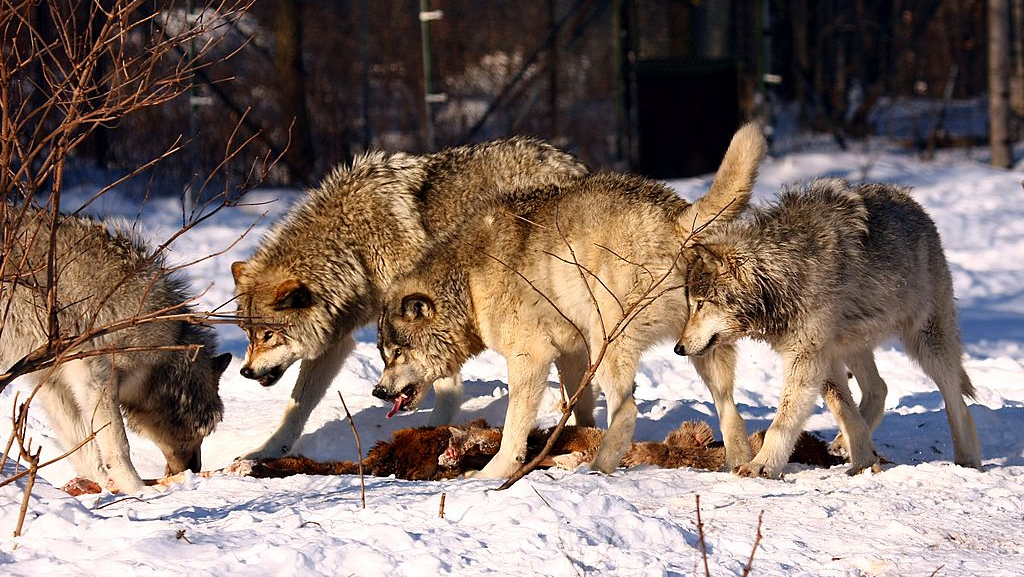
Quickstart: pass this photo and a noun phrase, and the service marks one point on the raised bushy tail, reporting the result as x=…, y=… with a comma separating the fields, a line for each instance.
x=730, y=190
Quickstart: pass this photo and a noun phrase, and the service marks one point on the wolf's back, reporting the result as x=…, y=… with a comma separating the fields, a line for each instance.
x=105, y=274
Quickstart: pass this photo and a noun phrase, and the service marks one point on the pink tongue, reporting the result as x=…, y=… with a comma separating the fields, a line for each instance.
x=395, y=407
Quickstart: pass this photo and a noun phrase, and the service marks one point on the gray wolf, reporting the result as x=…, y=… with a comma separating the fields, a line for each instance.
x=105, y=276
x=824, y=276
x=320, y=274
x=544, y=278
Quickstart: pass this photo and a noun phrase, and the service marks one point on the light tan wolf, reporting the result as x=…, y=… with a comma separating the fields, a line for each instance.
x=824, y=276
x=544, y=278
x=320, y=273
x=104, y=276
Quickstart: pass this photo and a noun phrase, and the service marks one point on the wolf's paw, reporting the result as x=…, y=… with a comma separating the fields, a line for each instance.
x=496, y=468
x=838, y=447
x=734, y=462
x=482, y=474
x=872, y=464
x=753, y=469
x=130, y=487
x=568, y=461
x=265, y=452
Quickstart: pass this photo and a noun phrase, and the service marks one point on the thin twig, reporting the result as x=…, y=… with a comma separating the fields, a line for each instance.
x=63, y=455
x=359, y=451
x=119, y=501
x=757, y=541
x=33, y=469
x=701, y=544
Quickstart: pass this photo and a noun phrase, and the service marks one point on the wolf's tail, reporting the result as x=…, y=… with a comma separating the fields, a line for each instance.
x=733, y=183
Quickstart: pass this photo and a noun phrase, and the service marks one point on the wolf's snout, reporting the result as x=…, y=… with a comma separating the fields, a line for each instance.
x=680, y=349
x=266, y=377
x=383, y=393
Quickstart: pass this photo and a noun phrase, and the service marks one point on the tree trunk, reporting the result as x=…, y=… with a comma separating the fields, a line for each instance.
x=1017, y=79
x=291, y=78
x=999, y=82
x=800, y=21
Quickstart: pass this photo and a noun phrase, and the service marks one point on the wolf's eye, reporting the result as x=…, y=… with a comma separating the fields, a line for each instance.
x=267, y=335
x=397, y=353
x=697, y=306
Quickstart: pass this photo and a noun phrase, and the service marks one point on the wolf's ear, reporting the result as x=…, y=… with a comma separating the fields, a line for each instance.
x=722, y=260
x=706, y=261
x=292, y=294
x=238, y=269
x=417, y=306
x=220, y=364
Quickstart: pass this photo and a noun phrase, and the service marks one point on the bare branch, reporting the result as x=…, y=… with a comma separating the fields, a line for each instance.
x=757, y=542
x=359, y=452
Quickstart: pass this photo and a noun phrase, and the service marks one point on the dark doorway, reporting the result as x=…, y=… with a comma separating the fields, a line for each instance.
x=686, y=114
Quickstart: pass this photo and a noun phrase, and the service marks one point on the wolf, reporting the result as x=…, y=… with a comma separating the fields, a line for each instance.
x=557, y=276
x=824, y=276
x=162, y=375
x=321, y=273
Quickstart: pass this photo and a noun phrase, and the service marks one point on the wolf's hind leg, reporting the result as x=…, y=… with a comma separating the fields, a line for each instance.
x=571, y=367
x=936, y=348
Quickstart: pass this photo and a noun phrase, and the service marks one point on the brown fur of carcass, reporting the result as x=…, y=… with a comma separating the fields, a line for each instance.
x=434, y=453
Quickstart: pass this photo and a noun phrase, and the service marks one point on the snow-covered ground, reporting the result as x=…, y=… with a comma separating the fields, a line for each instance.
x=920, y=516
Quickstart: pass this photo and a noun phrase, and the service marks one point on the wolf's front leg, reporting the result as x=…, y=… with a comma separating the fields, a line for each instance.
x=615, y=375
x=527, y=379
x=718, y=370
x=65, y=415
x=315, y=376
x=448, y=400
x=100, y=398
x=803, y=376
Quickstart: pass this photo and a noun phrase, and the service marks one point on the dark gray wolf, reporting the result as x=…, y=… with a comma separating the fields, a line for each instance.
x=544, y=278
x=104, y=276
x=824, y=276
x=320, y=273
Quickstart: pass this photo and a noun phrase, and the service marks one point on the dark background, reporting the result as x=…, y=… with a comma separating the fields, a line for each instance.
x=653, y=86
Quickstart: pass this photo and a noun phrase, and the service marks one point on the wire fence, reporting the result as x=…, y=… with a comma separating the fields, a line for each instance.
x=654, y=86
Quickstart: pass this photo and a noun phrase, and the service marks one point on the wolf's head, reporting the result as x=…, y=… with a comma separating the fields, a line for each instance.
x=710, y=268
x=270, y=306
x=178, y=415
x=712, y=283
x=423, y=335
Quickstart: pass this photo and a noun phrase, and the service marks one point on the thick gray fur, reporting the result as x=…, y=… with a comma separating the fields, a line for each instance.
x=320, y=273
x=107, y=275
x=824, y=276
x=542, y=278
